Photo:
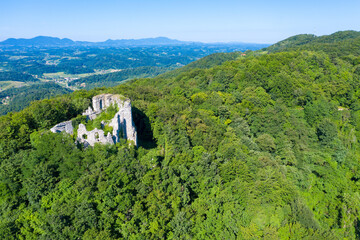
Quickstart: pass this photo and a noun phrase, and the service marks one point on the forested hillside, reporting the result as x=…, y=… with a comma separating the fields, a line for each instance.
x=85, y=65
x=16, y=99
x=262, y=146
x=113, y=79
x=15, y=76
x=339, y=44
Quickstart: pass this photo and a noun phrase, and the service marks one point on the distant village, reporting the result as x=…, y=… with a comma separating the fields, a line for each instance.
x=5, y=100
x=65, y=80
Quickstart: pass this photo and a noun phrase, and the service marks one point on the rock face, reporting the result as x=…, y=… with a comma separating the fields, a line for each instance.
x=122, y=123
x=63, y=126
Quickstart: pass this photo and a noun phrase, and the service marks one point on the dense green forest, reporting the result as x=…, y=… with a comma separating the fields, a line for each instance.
x=340, y=44
x=14, y=76
x=21, y=97
x=262, y=146
x=113, y=79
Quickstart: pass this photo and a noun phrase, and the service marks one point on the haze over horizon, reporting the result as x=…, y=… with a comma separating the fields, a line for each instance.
x=204, y=21
x=134, y=39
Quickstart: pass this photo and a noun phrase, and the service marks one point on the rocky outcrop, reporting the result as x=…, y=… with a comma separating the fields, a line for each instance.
x=63, y=126
x=122, y=123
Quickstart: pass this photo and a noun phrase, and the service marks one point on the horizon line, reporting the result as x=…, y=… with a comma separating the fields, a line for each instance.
x=186, y=41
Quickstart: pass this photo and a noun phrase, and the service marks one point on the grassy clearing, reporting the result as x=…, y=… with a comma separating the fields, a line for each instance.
x=60, y=75
x=10, y=84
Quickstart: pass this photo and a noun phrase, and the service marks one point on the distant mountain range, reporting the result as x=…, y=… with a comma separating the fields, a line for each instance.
x=38, y=41
x=44, y=41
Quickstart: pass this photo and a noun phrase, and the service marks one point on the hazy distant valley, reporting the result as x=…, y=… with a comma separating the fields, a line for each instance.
x=64, y=65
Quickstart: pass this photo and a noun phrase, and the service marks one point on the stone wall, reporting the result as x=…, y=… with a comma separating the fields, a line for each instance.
x=89, y=138
x=122, y=123
x=103, y=101
x=63, y=126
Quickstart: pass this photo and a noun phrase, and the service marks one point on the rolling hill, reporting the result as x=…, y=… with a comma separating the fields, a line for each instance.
x=262, y=146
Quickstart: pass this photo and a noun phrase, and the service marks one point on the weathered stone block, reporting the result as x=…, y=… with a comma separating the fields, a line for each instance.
x=63, y=126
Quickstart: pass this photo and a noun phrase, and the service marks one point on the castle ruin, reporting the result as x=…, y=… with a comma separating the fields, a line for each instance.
x=122, y=123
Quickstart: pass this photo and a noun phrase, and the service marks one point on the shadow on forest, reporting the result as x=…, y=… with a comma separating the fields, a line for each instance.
x=143, y=128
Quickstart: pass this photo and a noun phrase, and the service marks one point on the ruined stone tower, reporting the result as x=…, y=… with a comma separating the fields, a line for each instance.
x=122, y=123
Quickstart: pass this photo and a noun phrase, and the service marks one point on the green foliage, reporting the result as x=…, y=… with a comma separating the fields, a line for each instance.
x=105, y=117
x=15, y=76
x=22, y=97
x=339, y=44
x=316, y=111
x=266, y=143
x=259, y=147
x=113, y=79
x=326, y=131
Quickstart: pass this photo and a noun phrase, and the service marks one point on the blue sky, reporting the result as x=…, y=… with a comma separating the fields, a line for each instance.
x=196, y=20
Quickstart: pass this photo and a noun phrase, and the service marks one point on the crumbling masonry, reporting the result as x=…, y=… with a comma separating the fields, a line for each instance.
x=122, y=123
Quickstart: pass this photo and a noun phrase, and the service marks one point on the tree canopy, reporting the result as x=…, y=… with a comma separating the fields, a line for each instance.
x=262, y=146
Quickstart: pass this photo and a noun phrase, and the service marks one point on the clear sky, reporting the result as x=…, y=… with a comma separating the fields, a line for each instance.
x=261, y=21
